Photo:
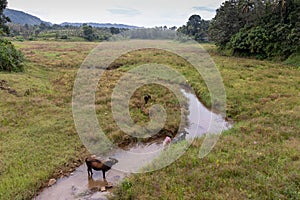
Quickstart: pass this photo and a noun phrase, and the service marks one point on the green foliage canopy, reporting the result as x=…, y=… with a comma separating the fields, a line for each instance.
x=196, y=28
x=3, y=18
x=264, y=29
x=88, y=32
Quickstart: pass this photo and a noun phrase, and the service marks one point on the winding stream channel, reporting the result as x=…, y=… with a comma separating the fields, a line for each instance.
x=79, y=186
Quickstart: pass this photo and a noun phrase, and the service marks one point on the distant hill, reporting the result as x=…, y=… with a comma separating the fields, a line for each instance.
x=20, y=17
x=101, y=25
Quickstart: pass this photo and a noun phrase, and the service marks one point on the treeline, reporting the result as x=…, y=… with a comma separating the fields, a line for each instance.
x=159, y=32
x=58, y=32
x=260, y=28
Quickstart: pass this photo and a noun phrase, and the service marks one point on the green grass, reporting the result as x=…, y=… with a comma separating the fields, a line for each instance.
x=139, y=112
x=294, y=59
x=257, y=159
x=38, y=140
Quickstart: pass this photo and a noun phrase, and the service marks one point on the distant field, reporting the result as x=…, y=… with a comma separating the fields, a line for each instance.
x=258, y=158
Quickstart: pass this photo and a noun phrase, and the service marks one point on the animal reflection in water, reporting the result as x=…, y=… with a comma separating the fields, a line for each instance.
x=96, y=164
x=96, y=184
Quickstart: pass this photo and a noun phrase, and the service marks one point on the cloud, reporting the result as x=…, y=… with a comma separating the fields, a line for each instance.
x=124, y=11
x=203, y=8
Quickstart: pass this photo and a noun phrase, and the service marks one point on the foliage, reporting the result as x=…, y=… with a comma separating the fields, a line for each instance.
x=59, y=32
x=11, y=59
x=264, y=29
x=88, y=32
x=196, y=28
x=3, y=18
x=149, y=33
x=225, y=24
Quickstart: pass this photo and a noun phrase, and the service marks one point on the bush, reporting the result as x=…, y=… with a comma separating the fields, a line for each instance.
x=280, y=41
x=250, y=42
x=294, y=60
x=10, y=58
x=64, y=37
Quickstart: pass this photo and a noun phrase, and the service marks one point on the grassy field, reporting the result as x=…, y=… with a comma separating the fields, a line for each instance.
x=38, y=137
x=38, y=140
x=258, y=158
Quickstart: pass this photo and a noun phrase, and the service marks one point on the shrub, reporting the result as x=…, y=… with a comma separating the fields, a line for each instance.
x=64, y=37
x=11, y=59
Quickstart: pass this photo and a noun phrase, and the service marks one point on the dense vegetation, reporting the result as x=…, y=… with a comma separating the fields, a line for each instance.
x=196, y=28
x=265, y=29
x=3, y=18
x=10, y=58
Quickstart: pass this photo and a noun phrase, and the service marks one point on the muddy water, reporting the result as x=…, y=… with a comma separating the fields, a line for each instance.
x=202, y=120
x=79, y=186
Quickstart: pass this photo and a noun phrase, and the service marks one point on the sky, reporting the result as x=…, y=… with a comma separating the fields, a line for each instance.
x=143, y=13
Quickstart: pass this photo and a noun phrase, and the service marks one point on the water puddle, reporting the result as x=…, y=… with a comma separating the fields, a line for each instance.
x=79, y=186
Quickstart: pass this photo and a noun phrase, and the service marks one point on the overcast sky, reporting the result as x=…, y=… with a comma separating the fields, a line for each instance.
x=147, y=13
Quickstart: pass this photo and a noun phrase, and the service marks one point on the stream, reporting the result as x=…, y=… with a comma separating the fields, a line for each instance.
x=79, y=186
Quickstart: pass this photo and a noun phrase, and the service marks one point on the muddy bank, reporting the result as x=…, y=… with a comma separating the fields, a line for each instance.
x=5, y=87
x=132, y=158
x=79, y=186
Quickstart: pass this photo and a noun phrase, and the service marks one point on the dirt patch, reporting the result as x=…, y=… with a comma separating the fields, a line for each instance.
x=66, y=170
x=5, y=87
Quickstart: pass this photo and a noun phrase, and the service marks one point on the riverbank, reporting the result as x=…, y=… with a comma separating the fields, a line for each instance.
x=136, y=157
x=38, y=138
x=258, y=158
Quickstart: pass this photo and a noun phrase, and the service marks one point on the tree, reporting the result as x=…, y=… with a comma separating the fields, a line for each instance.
x=173, y=28
x=196, y=28
x=227, y=22
x=263, y=29
x=114, y=30
x=88, y=32
x=3, y=19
